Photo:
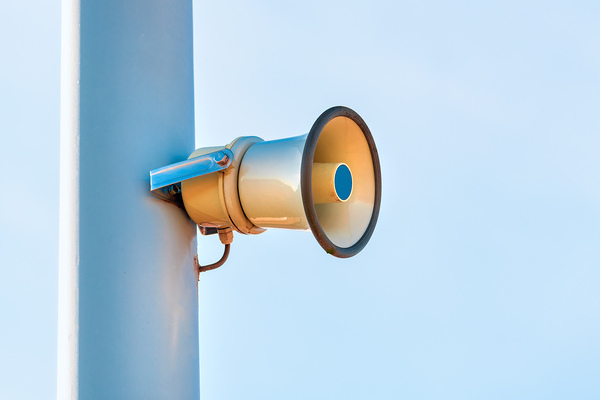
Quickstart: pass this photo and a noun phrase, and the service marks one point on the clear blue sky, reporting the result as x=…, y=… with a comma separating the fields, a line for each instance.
x=482, y=278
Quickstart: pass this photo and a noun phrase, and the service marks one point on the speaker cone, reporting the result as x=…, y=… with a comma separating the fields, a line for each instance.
x=340, y=136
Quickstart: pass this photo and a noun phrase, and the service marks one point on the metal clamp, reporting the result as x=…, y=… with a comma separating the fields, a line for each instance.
x=165, y=182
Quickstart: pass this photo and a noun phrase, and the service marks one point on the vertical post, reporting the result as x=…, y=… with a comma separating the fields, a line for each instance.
x=128, y=310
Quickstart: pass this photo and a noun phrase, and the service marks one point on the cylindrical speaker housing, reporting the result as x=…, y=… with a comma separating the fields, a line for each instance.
x=269, y=184
x=212, y=200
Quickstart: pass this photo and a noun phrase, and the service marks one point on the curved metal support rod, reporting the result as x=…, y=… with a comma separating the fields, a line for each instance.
x=215, y=265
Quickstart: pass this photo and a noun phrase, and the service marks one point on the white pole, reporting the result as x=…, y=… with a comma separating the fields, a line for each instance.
x=128, y=311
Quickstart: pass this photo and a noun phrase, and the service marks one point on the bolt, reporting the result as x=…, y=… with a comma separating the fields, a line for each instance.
x=173, y=190
x=221, y=159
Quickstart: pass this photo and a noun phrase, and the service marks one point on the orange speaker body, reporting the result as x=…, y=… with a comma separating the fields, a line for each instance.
x=328, y=182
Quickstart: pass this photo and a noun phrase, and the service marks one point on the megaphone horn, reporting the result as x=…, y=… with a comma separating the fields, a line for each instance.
x=341, y=135
x=328, y=181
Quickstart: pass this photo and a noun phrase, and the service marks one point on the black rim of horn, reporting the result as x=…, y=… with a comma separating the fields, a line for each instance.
x=306, y=182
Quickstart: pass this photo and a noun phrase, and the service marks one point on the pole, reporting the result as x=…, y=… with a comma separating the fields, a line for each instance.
x=128, y=308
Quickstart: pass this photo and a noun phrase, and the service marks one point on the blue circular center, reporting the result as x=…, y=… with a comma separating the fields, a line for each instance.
x=343, y=182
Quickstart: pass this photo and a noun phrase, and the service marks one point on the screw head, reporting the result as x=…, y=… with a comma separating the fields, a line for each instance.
x=173, y=190
x=221, y=159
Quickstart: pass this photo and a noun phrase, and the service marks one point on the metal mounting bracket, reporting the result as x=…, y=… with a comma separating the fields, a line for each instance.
x=165, y=182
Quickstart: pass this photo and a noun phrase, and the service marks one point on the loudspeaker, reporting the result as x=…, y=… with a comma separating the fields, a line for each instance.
x=327, y=181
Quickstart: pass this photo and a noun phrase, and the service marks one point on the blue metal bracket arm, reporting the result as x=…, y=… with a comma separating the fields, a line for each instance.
x=165, y=182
